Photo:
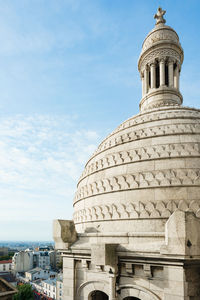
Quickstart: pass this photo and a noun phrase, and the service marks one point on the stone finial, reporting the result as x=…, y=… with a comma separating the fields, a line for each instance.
x=159, y=16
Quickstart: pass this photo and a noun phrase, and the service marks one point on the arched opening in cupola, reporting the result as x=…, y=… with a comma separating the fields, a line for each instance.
x=157, y=75
x=98, y=295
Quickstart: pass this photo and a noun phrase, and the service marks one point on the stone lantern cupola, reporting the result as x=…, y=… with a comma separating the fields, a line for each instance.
x=160, y=65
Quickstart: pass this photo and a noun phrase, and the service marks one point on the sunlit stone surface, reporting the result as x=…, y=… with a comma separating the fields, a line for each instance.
x=137, y=205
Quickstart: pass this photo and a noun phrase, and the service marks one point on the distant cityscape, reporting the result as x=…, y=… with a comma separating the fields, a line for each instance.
x=22, y=245
x=32, y=268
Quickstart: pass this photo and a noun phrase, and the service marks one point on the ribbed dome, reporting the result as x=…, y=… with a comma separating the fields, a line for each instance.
x=149, y=166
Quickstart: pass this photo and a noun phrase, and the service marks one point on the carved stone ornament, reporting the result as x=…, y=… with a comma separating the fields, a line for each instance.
x=160, y=54
x=160, y=35
x=142, y=154
x=138, y=134
x=140, y=180
x=159, y=16
x=136, y=210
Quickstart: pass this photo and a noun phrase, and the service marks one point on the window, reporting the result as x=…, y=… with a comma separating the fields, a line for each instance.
x=4, y=267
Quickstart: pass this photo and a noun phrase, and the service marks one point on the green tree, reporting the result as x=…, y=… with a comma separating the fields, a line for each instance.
x=25, y=292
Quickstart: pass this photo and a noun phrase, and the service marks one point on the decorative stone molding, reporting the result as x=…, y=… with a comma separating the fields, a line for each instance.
x=161, y=54
x=160, y=35
x=132, y=290
x=147, y=270
x=140, y=180
x=88, y=287
x=179, y=113
x=173, y=113
x=135, y=210
x=160, y=103
x=129, y=268
x=142, y=154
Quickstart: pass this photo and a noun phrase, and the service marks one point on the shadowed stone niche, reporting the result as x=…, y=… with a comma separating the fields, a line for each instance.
x=98, y=295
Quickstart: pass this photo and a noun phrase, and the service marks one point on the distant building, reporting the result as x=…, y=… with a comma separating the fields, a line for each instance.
x=38, y=273
x=59, y=288
x=5, y=265
x=41, y=259
x=55, y=259
x=22, y=261
x=49, y=288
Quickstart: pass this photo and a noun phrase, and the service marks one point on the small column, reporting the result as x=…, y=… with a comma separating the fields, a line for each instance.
x=162, y=72
x=171, y=73
x=176, y=78
x=146, y=80
x=153, y=76
x=143, y=86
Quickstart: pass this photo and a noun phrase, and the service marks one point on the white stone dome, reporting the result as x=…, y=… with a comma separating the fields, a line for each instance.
x=149, y=166
x=146, y=169
x=159, y=35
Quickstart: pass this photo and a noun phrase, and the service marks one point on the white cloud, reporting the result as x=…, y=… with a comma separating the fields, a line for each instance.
x=41, y=158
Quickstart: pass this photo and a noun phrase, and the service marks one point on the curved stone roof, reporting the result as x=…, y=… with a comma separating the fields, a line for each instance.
x=149, y=165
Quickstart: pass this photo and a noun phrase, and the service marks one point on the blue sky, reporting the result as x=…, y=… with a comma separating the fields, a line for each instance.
x=68, y=77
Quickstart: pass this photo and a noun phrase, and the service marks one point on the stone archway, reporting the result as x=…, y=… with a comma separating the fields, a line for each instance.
x=135, y=292
x=90, y=289
x=98, y=295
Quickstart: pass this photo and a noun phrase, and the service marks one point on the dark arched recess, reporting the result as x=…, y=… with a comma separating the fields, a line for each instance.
x=98, y=295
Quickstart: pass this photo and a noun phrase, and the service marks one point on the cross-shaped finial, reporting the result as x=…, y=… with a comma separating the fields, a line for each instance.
x=159, y=16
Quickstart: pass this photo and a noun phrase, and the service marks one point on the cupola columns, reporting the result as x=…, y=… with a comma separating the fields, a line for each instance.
x=162, y=72
x=159, y=65
x=171, y=73
x=146, y=80
x=153, y=75
x=176, y=78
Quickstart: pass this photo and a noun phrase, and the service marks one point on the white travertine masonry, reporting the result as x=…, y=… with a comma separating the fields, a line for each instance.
x=135, y=233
